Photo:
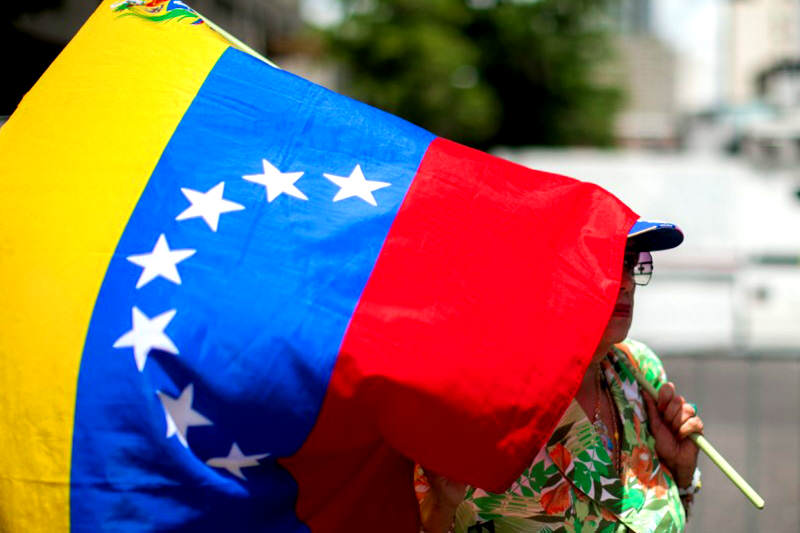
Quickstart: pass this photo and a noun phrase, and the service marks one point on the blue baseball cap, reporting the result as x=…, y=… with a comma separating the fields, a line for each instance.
x=648, y=236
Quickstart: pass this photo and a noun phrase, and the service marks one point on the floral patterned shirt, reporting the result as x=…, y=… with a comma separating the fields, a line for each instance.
x=572, y=485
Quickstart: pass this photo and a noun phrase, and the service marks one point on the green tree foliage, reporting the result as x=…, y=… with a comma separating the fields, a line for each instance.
x=482, y=72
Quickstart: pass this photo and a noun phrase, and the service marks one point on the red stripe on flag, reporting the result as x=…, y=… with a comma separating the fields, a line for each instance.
x=486, y=303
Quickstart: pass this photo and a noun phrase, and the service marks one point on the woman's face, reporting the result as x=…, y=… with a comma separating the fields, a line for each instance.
x=620, y=322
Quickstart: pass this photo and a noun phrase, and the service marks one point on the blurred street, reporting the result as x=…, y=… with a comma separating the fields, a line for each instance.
x=750, y=409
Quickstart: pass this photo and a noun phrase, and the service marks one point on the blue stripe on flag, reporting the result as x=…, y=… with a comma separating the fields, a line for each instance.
x=245, y=310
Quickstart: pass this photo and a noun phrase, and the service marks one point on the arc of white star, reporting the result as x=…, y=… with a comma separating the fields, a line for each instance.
x=356, y=185
x=208, y=205
x=147, y=334
x=160, y=262
x=277, y=182
x=180, y=415
x=235, y=461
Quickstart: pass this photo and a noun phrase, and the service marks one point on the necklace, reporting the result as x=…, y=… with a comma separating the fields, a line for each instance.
x=610, y=440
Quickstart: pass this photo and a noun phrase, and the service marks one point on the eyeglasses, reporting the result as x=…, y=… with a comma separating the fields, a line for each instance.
x=640, y=266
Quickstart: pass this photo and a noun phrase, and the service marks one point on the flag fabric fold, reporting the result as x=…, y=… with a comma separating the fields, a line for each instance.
x=239, y=300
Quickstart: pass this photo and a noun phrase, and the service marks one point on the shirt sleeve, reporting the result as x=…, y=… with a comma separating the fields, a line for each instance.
x=648, y=362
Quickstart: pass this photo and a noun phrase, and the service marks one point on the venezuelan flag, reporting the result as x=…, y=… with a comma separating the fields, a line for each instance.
x=236, y=301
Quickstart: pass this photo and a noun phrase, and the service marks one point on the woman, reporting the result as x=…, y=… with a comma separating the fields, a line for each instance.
x=617, y=461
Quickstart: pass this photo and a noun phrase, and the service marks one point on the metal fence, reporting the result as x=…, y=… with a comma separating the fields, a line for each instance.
x=751, y=408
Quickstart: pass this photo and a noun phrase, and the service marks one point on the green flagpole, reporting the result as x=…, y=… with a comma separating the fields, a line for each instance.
x=233, y=40
x=709, y=450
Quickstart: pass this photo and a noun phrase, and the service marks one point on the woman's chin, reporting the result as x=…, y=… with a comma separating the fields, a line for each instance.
x=617, y=330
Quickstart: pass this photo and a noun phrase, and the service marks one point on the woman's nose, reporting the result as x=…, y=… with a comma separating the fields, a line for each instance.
x=627, y=283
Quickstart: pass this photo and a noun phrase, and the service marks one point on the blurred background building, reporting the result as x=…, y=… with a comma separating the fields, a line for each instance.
x=761, y=33
x=649, y=76
x=688, y=110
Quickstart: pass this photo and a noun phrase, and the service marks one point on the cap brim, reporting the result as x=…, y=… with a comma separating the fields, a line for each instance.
x=650, y=236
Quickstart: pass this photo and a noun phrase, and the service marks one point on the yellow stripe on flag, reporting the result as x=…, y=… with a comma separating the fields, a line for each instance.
x=74, y=159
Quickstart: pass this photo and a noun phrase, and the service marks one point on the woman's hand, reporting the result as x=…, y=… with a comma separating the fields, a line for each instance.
x=438, y=508
x=672, y=420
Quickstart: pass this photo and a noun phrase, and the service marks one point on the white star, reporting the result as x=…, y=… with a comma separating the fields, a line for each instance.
x=209, y=205
x=160, y=262
x=147, y=334
x=235, y=461
x=180, y=415
x=277, y=182
x=356, y=185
